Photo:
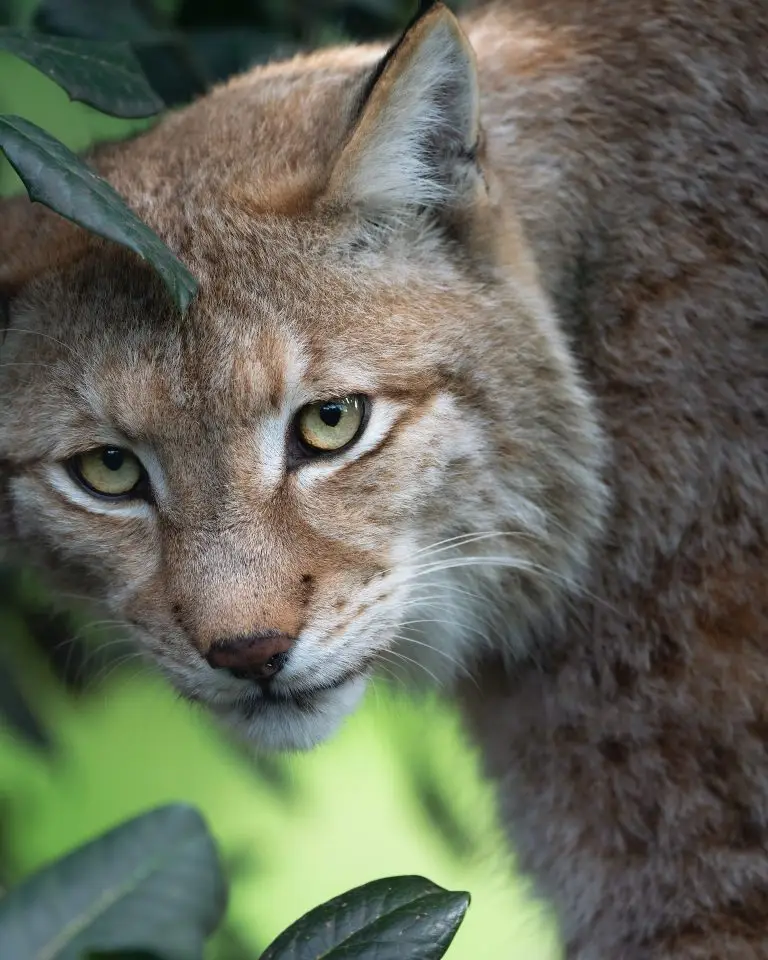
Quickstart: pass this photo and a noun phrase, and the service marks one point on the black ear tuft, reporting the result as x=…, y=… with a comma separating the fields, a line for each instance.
x=422, y=10
x=424, y=7
x=413, y=145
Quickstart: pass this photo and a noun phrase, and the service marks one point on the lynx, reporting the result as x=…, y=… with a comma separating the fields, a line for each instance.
x=474, y=390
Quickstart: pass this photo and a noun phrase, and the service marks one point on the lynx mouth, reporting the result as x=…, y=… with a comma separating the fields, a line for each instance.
x=291, y=720
x=262, y=697
x=287, y=714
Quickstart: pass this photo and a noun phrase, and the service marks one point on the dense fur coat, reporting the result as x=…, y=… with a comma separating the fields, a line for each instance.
x=539, y=256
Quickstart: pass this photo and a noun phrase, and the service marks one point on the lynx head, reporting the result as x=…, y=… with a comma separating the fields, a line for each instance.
x=364, y=447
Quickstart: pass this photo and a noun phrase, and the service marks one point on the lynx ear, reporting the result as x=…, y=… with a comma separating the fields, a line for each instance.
x=415, y=140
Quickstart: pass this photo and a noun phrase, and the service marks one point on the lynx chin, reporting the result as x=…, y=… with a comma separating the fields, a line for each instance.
x=473, y=393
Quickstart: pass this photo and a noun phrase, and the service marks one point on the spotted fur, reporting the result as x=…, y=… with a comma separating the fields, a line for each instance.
x=537, y=242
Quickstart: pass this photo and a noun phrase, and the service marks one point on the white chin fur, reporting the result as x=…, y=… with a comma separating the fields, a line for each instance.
x=288, y=727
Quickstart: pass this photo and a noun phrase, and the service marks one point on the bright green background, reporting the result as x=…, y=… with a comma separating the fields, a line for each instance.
x=397, y=792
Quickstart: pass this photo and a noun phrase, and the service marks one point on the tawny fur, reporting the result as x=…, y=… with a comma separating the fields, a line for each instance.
x=556, y=297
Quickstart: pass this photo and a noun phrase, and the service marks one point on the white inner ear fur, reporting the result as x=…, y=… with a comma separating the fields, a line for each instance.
x=423, y=118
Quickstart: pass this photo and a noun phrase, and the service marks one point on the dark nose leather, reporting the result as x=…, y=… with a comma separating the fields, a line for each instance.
x=258, y=656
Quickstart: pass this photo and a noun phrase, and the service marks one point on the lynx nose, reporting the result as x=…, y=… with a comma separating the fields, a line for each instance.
x=258, y=656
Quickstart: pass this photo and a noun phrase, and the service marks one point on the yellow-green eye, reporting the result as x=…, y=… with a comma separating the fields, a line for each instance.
x=109, y=471
x=329, y=425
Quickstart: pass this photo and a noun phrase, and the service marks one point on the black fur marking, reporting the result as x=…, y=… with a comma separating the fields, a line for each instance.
x=423, y=9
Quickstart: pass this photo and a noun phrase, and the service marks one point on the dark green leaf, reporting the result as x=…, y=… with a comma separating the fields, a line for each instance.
x=58, y=178
x=104, y=75
x=390, y=919
x=128, y=20
x=152, y=885
x=174, y=69
x=170, y=63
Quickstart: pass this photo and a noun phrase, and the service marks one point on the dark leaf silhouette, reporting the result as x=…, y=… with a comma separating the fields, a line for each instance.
x=171, y=63
x=388, y=919
x=105, y=75
x=58, y=178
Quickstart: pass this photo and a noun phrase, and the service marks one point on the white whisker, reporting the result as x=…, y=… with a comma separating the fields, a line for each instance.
x=402, y=656
x=47, y=336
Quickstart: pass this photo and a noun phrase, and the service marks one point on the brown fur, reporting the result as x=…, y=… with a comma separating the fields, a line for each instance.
x=563, y=314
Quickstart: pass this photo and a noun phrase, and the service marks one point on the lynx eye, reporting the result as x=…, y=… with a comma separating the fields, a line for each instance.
x=329, y=426
x=108, y=471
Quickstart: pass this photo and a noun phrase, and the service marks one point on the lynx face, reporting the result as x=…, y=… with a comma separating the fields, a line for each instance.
x=363, y=448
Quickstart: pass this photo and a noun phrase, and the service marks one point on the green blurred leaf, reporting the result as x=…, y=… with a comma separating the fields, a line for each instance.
x=228, y=944
x=104, y=75
x=151, y=885
x=434, y=796
x=15, y=710
x=229, y=50
x=58, y=178
x=390, y=919
x=127, y=20
x=181, y=64
x=169, y=60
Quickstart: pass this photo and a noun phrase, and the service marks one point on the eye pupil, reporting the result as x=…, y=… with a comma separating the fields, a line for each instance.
x=330, y=414
x=113, y=458
x=109, y=472
x=329, y=426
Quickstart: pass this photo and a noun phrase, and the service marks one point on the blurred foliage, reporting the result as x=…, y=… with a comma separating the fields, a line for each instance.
x=153, y=884
x=90, y=739
x=196, y=43
x=313, y=826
